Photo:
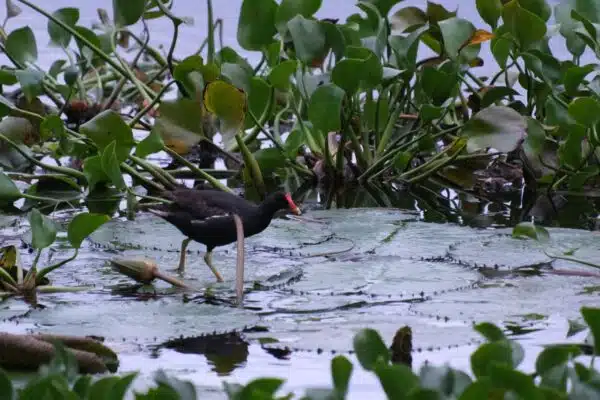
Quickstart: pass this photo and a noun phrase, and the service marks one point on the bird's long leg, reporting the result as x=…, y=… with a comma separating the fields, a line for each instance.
x=208, y=261
x=184, y=245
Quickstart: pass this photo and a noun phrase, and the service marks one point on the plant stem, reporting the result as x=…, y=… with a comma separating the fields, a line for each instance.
x=45, y=271
x=62, y=170
x=149, y=106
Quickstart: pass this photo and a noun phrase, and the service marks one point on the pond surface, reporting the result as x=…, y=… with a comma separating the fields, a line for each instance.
x=312, y=283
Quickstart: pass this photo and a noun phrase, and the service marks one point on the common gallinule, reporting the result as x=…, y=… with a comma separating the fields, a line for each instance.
x=206, y=216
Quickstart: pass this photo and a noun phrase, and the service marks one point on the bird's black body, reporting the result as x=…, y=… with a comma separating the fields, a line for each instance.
x=206, y=216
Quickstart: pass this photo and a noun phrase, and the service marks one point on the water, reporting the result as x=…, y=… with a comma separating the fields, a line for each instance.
x=305, y=368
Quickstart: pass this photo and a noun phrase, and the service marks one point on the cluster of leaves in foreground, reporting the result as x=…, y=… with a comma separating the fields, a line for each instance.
x=558, y=375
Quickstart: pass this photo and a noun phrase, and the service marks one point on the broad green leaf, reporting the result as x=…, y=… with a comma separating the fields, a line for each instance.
x=183, y=389
x=261, y=388
x=498, y=127
x=309, y=39
x=91, y=37
x=21, y=45
x=570, y=150
x=526, y=27
x=256, y=24
x=227, y=102
x=456, y=32
x=496, y=93
x=179, y=124
x=438, y=85
x=504, y=376
x=489, y=354
x=82, y=225
x=575, y=76
x=269, y=160
x=490, y=331
x=110, y=165
x=128, y=12
x=490, y=11
x=293, y=142
x=259, y=98
x=288, y=9
x=324, y=109
x=93, y=171
x=151, y=144
x=592, y=318
x=59, y=36
x=108, y=127
x=341, y=371
x=9, y=192
x=280, y=75
x=6, y=387
x=361, y=69
x=43, y=230
x=408, y=19
x=537, y=7
x=530, y=230
x=536, y=136
x=384, y=6
x=553, y=356
x=370, y=349
x=585, y=110
x=396, y=379
x=31, y=82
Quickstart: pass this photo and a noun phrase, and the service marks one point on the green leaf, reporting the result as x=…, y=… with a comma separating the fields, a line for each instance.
x=91, y=37
x=20, y=45
x=108, y=127
x=261, y=388
x=128, y=12
x=280, y=75
x=496, y=93
x=309, y=39
x=6, y=387
x=288, y=9
x=438, y=85
x=526, y=27
x=59, y=36
x=396, y=379
x=259, y=95
x=341, y=371
x=490, y=331
x=530, y=230
x=256, y=24
x=94, y=174
x=9, y=192
x=269, y=160
x=585, y=110
x=229, y=104
x=293, y=142
x=31, y=82
x=592, y=319
x=498, y=127
x=43, y=230
x=489, y=354
x=407, y=19
x=504, y=376
x=490, y=11
x=383, y=6
x=110, y=165
x=360, y=69
x=553, y=356
x=82, y=225
x=575, y=76
x=324, y=109
x=151, y=144
x=455, y=33
x=370, y=349
x=184, y=390
x=537, y=7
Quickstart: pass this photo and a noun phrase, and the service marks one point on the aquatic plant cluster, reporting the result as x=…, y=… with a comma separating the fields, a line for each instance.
x=331, y=103
x=560, y=373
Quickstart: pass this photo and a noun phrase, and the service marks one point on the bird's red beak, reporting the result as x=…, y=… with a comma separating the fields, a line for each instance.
x=293, y=206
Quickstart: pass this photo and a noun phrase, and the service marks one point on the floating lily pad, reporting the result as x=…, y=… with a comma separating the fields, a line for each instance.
x=508, y=252
x=334, y=330
x=141, y=322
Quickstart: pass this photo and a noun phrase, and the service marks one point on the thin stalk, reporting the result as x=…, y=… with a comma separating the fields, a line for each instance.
x=35, y=261
x=252, y=166
x=214, y=182
x=211, y=32
x=149, y=106
x=437, y=167
x=45, y=271
x=157, y=172
x=387, y=132
x=61, y=170
x=79, y=37
x=131, y=171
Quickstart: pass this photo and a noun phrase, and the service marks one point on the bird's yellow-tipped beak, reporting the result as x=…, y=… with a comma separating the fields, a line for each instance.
x=293, y=207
